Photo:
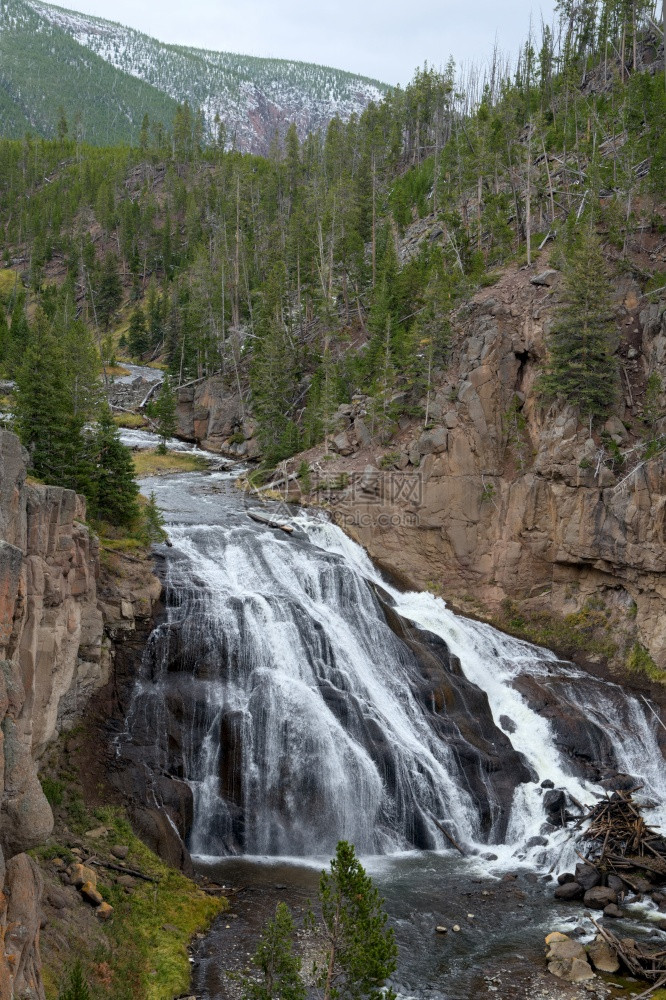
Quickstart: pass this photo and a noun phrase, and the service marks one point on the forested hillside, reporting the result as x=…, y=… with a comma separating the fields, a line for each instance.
x=107, y=77
x=289, y=275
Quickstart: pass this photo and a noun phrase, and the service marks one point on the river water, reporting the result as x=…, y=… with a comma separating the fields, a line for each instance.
x=297, y=716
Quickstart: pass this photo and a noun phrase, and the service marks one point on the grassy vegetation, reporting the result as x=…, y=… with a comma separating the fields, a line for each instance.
x=132, y=421
x=150, y=463
x=8, y=281
x=583, y=633
x=116, y=370
x=142, y=954
x=639, y=661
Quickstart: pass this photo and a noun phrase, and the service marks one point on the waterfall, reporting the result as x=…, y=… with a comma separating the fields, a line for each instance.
x=303, y=700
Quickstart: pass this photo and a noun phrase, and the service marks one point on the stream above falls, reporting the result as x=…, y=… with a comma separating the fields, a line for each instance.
x=293, y=696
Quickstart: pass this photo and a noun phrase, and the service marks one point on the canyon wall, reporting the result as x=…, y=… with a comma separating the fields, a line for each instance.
x=55, y=652
x=503, y=498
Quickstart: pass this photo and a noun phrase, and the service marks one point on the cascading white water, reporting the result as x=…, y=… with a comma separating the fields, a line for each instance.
x=295, y=713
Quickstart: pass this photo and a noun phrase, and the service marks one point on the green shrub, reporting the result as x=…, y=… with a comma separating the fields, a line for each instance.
x=53, y=790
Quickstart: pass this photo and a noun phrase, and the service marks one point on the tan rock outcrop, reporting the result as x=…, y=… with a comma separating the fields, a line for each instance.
x=503, y=498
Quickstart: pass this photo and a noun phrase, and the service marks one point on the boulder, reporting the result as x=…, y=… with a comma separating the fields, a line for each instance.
x=81, y=874
x=545, y=279
x=569, y=890
x=587, y=876
x=602, y=956
x=565, y=877
x=599, y=897
x=104, y=911
x=612, y=910
x=90, y=894
x=342, y=444
x=120, y=851
x=567, y=959
x=363, y=435
x=433, y=442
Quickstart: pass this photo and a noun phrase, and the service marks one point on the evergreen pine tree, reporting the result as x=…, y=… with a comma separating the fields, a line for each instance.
x=115, y=489
x=19, y=333
x=164, y=409
x=278, y=966
x=76, y=987
x=5, y=341
x=582, y=368
x=360, y=949
x=44, y=418
x=110, y=290
x=137, y=335
x=153, y=520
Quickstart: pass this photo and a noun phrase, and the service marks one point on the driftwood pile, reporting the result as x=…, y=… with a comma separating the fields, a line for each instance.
x=618, y=841
x=622, y=853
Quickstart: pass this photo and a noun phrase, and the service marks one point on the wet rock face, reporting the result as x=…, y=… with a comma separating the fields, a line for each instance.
x=460, y=714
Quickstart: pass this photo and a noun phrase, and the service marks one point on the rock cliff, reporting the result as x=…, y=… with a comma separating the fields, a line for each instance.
x=55, y=652
x=211, y=414
x=521, y=502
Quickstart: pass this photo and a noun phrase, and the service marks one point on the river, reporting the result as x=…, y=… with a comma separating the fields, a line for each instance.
x=297, y=716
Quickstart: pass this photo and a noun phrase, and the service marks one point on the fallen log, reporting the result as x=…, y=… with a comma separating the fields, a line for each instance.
x=269, y=521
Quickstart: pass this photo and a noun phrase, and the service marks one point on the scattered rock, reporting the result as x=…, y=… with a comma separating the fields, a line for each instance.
x=98, y=832
x=565, y=877
x=90, y=894
x=569, y=890
x=456, y=928
x=587, y=876
x=602, y=956
x=81, y=874
x=126, y=881
x=342, y=444
x=567, y=959
x=546, y=278
x=599, y=897
x=612, y=910
x=441, y=930
x=548, y=783
x=104, y=911
x=120, y=851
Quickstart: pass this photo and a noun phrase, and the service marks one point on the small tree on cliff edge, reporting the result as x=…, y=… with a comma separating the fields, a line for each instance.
x=582, y=368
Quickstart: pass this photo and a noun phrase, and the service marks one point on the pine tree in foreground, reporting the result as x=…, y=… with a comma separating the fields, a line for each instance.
x=582, y=368
x=361, y=952
x=279, y=967
x=359, y=949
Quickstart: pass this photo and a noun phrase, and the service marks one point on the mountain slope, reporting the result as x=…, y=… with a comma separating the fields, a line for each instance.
x=114, y=75
x=43, y=68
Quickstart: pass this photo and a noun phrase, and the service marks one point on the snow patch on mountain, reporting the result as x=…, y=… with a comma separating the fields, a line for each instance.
x=253, y=97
